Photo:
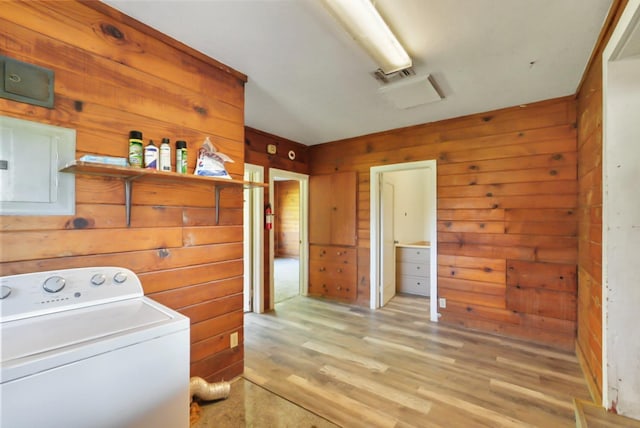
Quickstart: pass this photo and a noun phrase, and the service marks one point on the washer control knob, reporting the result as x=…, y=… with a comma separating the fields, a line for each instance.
x=4, y=292
x=98, y=279
x=54, y=284
x=120, y=277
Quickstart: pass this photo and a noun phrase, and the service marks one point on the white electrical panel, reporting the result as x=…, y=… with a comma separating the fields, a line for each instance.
x=31, y=155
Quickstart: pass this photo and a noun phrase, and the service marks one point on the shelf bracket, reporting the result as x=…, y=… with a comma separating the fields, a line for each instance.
x=217, y=190
x=128, y=189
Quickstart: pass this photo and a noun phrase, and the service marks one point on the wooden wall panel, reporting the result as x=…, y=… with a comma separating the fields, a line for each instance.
x=287, y=220
x=544, y=289
x=507, y=193
x=364, y=286
x=112, y=75
x=256, y=153
x=589, y=113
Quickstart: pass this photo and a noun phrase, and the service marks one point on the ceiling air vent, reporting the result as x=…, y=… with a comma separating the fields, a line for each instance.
x=411, y=92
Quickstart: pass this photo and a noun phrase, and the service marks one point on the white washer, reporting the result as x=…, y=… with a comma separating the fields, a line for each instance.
x=84, y=348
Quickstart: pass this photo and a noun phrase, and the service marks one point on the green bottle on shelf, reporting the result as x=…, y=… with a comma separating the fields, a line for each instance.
x=135, y=149
x=181, y=157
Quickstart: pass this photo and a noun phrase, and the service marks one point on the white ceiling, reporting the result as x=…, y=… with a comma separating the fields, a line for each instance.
x=311, y=83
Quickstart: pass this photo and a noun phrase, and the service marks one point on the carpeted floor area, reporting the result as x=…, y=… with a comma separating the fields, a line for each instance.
x=286, y=278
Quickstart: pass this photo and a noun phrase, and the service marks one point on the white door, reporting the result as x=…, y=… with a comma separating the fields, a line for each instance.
x=388, y=262
x=253, y=240
x=248, y=245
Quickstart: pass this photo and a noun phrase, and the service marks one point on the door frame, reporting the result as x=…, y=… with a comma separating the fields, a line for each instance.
x=384, y=224
x=303, y=180
x=375, y=223
x=253, y=241
x=620, y=297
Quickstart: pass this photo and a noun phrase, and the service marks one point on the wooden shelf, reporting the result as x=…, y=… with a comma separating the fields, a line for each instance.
x=129, y=174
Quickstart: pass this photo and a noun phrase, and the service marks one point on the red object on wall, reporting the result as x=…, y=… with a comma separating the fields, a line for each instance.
x=268, y=217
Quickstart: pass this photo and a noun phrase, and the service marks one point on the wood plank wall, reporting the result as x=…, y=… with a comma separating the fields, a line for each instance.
x=507, y=223
x=112, y=75
x=256, y=142
x=287, y=219
x=589, y=341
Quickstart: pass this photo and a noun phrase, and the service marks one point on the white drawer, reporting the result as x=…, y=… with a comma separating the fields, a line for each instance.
x=414, y=285
x=413, y=269
x=407, y=254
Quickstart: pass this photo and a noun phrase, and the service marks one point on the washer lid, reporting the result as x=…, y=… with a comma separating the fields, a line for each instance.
x=39, y=343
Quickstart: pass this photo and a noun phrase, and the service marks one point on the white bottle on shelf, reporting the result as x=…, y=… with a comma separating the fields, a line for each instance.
x=165, y=155
x=151, y=156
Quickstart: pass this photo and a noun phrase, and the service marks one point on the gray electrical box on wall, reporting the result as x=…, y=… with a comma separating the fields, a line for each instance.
x=27, y=83
x=31, y=155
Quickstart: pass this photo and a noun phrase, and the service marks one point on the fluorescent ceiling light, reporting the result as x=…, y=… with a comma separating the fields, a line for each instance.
x=361, y=19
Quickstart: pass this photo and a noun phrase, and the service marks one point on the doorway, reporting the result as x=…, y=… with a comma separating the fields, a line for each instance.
x=288, y=238
x=419, y=224
x=621, y=215
x=286, y=241
x=253, y=240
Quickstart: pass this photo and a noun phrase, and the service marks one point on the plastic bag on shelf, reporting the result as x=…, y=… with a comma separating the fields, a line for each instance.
x=210, y=162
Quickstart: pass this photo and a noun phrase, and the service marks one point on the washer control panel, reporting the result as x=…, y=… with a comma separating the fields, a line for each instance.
x=40, y=293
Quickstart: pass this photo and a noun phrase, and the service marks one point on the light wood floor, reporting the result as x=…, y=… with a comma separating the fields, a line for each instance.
x=393, y=368
x=590, y=415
